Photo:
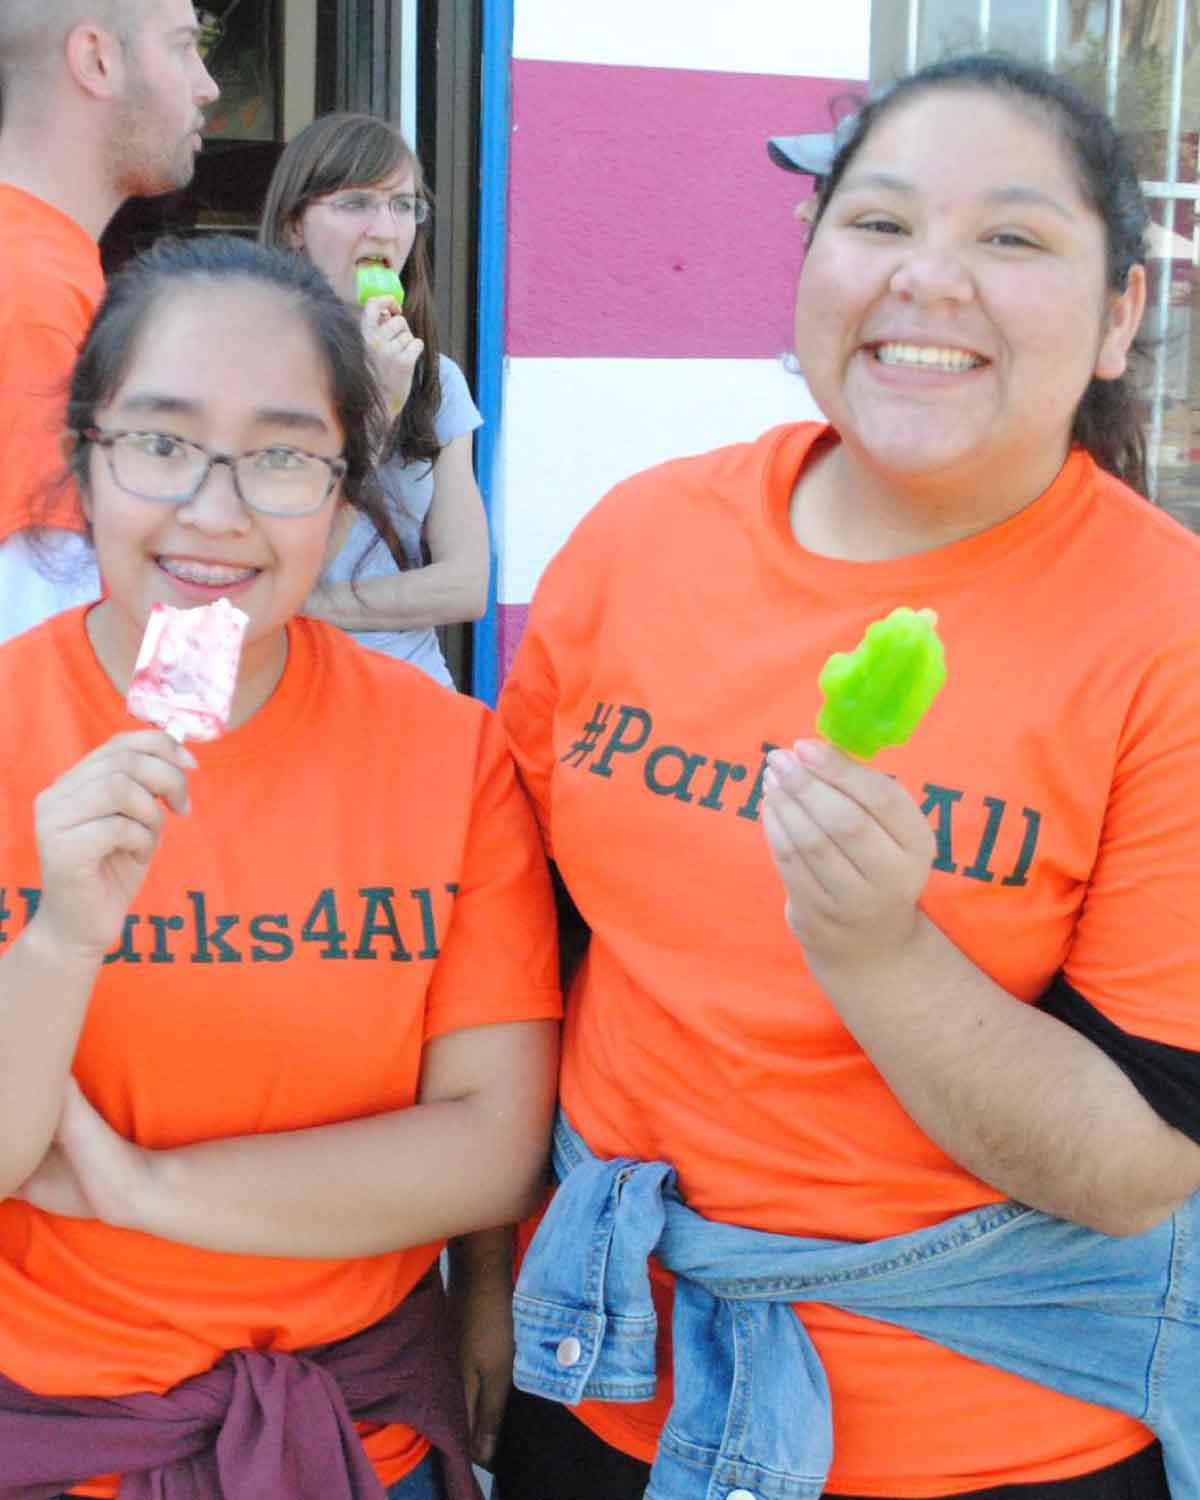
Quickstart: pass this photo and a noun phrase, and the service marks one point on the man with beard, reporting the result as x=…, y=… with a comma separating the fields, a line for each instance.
x=102, y=100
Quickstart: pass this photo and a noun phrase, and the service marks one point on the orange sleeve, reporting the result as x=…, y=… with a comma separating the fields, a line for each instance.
x=36, y=359
x=499, y=958
x=563, y=635
x=526, y=708
x=1136, y=950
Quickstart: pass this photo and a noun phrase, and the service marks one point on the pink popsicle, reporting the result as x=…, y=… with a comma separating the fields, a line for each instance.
x=186, y=669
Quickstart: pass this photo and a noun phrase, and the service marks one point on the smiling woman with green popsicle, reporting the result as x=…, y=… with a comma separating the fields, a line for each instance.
x=962, y=964
x=349, y=193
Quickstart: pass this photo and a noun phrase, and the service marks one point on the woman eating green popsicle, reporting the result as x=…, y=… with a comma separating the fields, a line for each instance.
x=832, y=999
x=349, y=193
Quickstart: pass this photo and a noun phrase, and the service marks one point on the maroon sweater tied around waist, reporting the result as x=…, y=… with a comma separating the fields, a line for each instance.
x=273, y=1426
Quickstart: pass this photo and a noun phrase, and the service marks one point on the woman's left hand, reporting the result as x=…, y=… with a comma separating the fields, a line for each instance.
x=89, y=1172
x=854, y=851
x=479, y=1298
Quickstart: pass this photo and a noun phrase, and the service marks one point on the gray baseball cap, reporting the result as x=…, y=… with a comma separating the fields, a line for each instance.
x=813, y=154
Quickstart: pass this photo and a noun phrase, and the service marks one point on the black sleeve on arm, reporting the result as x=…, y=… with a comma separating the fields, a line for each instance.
x=1168, y=1078
x=574, y=934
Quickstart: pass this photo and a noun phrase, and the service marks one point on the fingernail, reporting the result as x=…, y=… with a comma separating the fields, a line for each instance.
x=188, y=758
x=811, y=752
x=781, y=761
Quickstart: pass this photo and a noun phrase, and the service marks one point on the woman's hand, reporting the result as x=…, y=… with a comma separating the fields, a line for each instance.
x=480, y=1301
x=317, y=605
x=451, y=587
x=854, y=852
x=392, y=349
x=89, y=1172
x=1022, y=1101
x=97, y=829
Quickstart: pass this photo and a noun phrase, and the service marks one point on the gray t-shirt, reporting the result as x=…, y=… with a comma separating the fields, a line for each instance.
x=408, y=489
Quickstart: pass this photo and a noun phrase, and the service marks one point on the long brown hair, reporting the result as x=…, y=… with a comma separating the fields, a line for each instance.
x=358, y=151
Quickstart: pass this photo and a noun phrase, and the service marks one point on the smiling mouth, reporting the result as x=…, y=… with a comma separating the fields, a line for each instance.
x=211, y=575
x=926, y=357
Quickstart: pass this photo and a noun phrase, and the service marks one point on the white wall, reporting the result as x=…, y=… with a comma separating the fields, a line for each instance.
x=806, y=38
x=558, y=459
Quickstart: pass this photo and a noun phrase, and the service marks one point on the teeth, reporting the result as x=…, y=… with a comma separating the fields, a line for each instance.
x=924, y=357
x=209, y=573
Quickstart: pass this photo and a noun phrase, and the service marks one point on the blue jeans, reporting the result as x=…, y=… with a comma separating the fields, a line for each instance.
x=424, y=1483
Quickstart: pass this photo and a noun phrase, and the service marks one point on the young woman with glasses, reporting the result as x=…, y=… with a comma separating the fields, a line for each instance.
x=277, y=1012
x=348, y=192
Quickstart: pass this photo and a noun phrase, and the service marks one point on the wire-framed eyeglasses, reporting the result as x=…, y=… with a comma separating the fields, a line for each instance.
x=404, y=208
x=276, y=481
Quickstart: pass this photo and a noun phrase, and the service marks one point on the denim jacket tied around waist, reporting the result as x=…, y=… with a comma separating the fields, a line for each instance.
x=1112, y=1321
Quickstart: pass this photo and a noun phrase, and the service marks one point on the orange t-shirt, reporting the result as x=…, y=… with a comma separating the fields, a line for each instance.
x=359, y=873
x=50, y=285
x=677, y=636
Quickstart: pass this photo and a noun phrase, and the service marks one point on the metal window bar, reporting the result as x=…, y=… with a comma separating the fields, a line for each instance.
x=1051, y=48
x=407, y=46
x=985, y=22
x=1177, y=190
x=914, y=35
x=1170, y=197
x=1112, y=61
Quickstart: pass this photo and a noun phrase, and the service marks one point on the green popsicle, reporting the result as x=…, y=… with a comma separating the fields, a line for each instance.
x=377, y=280
x=878, y=693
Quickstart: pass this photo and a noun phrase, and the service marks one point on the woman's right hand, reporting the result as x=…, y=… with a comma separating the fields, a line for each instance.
x=97, y=827
x=393, y=349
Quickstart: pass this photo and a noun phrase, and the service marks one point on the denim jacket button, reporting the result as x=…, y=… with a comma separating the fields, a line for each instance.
x=570, y=1352
x=741, y=1495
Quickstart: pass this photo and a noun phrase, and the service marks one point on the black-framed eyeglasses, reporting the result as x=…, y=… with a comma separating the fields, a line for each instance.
x=276, y=481
x=402, y=207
